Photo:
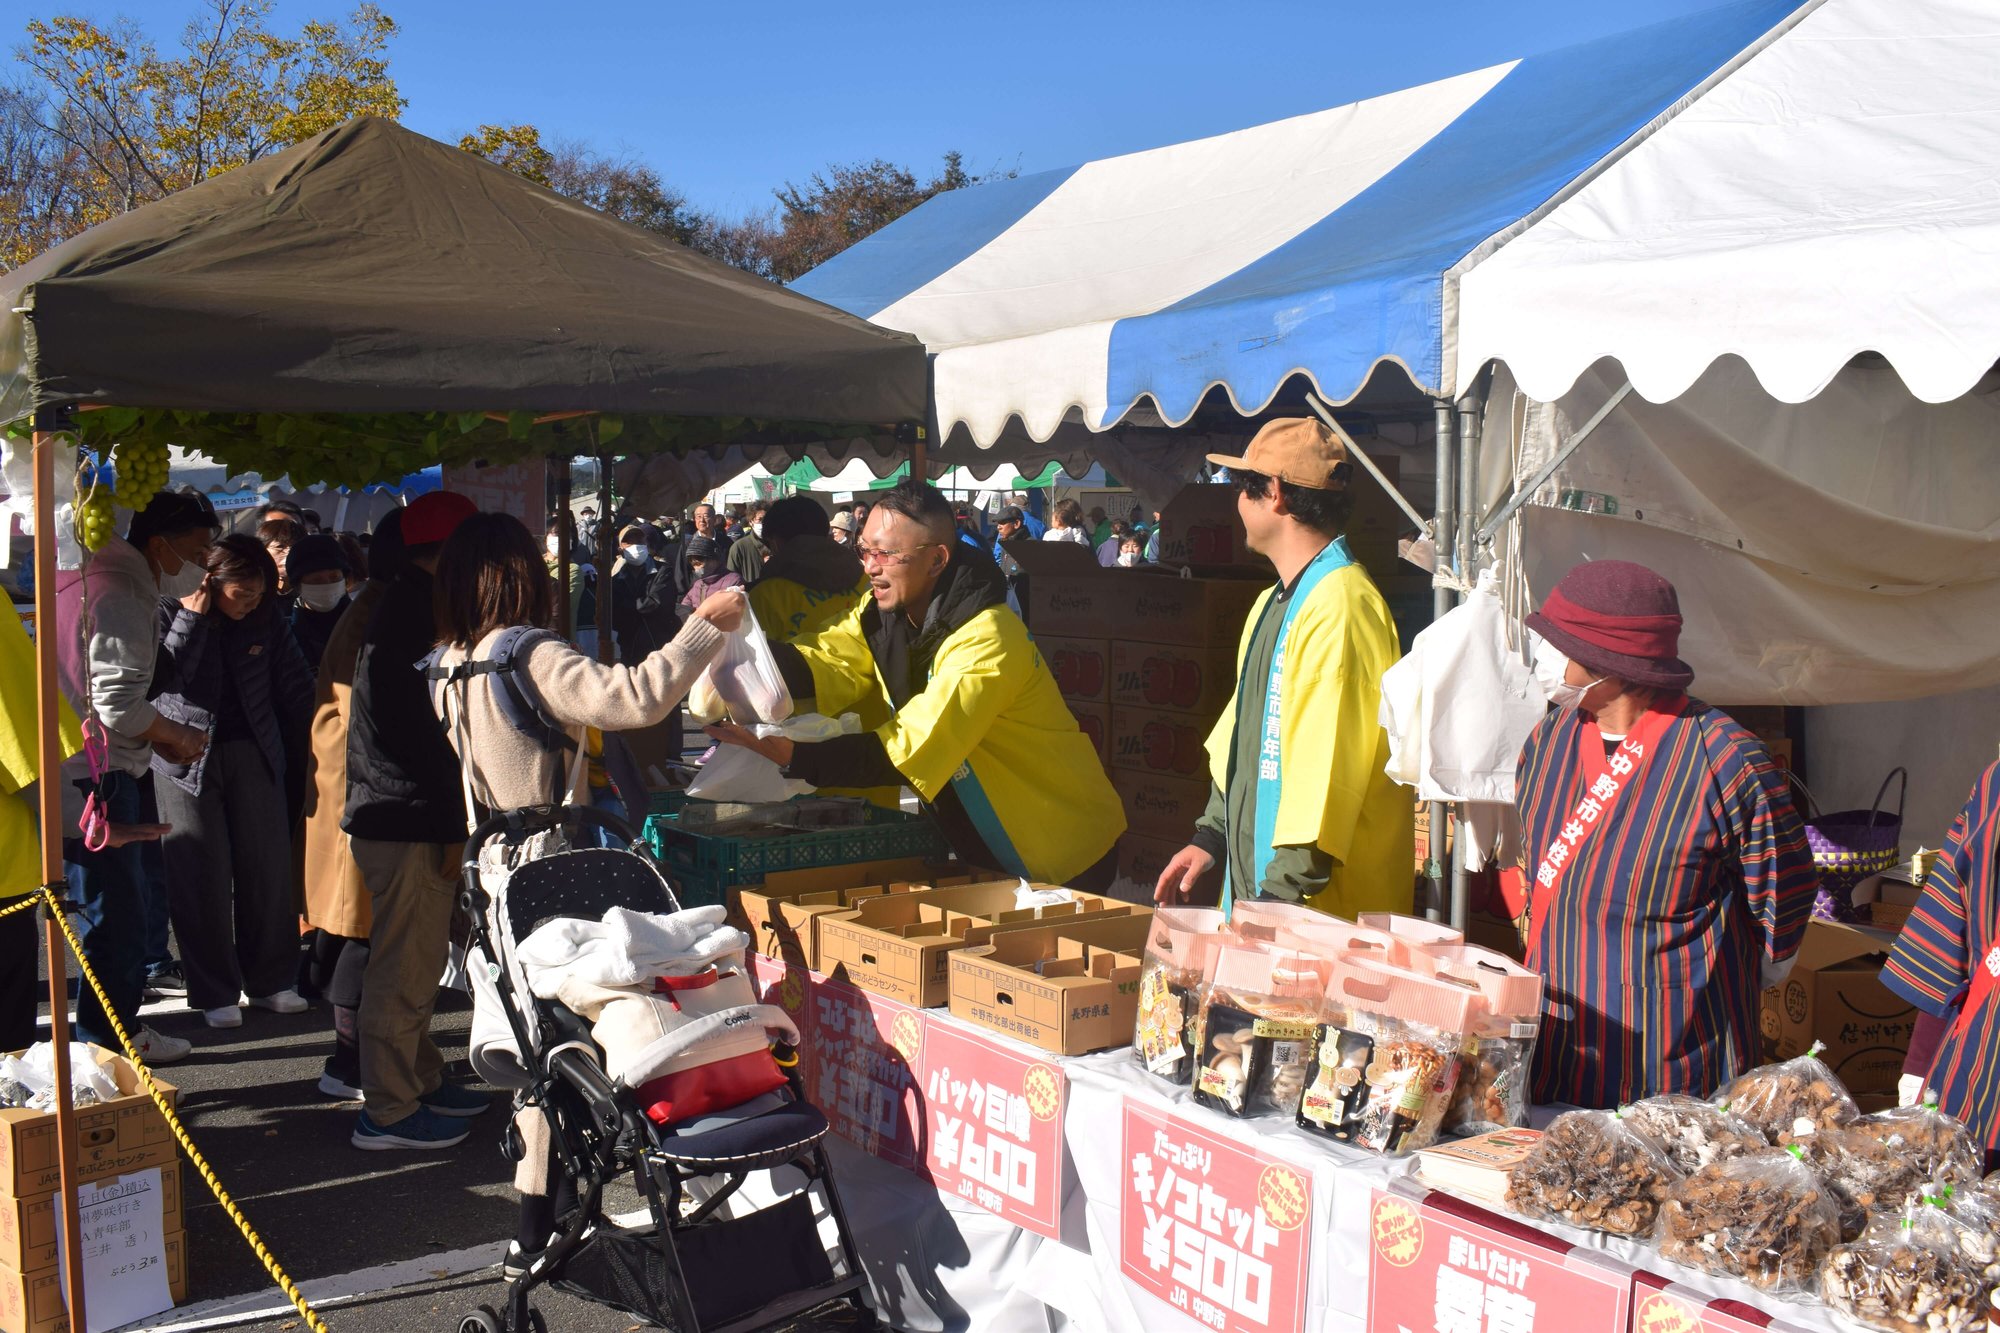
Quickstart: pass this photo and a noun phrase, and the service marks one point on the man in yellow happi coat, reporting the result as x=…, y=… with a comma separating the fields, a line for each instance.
x=1302, y=808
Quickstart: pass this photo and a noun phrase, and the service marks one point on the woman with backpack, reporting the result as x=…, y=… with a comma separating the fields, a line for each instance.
x=228, y=666
x=518, y=730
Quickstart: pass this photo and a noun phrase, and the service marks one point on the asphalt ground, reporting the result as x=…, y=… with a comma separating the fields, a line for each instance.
x=379, y=1241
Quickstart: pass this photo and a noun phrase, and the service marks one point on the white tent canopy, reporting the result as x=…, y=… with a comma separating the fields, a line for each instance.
x=1836, y=194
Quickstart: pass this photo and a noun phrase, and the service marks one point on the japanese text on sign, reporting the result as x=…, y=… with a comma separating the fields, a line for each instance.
x=995, y=1127
x=865, y=1050
x=1216, y=1230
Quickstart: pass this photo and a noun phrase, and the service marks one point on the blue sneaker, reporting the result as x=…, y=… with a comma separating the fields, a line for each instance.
x=421, y=1129
x=455, y=1101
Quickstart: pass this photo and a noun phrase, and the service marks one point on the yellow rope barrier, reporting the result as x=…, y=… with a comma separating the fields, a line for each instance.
x=256, y=1243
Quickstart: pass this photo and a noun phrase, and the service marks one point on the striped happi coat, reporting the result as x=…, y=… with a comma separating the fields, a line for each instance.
x=1653, y=949
x=1952, y=931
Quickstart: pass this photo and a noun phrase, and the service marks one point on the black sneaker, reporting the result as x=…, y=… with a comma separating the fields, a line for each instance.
x=167, y=981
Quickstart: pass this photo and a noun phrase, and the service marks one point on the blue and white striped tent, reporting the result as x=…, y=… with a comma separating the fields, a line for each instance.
x=1319, y=246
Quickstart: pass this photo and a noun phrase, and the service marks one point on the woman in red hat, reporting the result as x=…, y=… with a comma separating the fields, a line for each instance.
x=1669, y=877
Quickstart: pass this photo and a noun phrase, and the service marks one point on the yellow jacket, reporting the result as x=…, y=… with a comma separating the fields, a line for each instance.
x=990, y=724
x=20, y=837
x=788, y=610
x=1337, y=794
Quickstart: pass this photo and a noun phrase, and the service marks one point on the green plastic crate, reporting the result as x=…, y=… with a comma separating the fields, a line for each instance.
x=703, y=866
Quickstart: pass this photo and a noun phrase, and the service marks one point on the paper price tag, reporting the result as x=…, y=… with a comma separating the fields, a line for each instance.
x=995, y=1127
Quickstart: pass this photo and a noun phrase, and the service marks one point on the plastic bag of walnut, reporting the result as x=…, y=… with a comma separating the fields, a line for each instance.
x=1594, y=1169
x=1694, y=1133
x=1763, y=1217
x=1789, y=1100
x=1906, y=1275
x=1875, y=1163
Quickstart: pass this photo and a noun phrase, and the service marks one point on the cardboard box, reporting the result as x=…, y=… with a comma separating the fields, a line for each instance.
x=33, y=1302
x=28, y=1226
x=1200, y=526
x=1095, y=722
x=1887, y=899
x=1069, y=595
x=1141, y=858
x=1152, y=740
x=1160, y=805
x=1834, y=996
x=1070, y=987
x=1160, y=607
x=1082, y=667
x=123, y=1134
x=900, y=945
x=786, y=925
x=1198, y=680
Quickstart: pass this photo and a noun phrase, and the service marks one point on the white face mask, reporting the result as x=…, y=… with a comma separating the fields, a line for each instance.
x=638, y=555
x=183, y=582
x=1550, y=668
x=322, y=596
x=758, y=528
x=554, y=545
x=1128, y=558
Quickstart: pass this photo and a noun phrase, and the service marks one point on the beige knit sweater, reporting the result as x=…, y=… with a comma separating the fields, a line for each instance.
x=508, y=770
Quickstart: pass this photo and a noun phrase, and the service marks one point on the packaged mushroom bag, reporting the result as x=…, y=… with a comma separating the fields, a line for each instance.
x=1763, y=1217
x=1875, y=1163
x=1789, y=1100
x=1906, y=1274
x=1975, y=1215
x=1596, y=1170
x=1492, y=1088
x=1383, y=1064
x=1258, y=1017
x=1693, y=1132
x=1180, y=957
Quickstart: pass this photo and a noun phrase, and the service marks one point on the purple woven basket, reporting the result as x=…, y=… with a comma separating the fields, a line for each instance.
x=1849, y=846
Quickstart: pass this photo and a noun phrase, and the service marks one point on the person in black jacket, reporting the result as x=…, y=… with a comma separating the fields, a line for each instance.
x=405, y=821
x=643, y=593
x=228, y=668
x=317, y=569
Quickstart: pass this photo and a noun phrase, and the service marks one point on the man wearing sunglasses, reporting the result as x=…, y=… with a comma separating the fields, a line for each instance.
x=954, y=700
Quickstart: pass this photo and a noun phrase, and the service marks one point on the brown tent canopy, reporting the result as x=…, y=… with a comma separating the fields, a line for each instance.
x=372, y=270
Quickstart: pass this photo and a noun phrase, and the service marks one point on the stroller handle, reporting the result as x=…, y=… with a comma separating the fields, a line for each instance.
x=530, y=819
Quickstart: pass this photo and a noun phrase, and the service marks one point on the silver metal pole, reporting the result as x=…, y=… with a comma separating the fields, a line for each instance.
x=1445, y=534
x=1471, y=419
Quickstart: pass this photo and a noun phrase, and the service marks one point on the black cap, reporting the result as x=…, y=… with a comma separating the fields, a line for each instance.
x=169, y=514
x=702, y=548
x=1011, y=514
x=315, y=553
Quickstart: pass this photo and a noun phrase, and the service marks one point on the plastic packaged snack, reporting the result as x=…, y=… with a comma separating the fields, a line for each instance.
x=1693, y=1132
x=1384, y=1063
x=1905, y=1275
x=1594, y=1170
x=1876, y=1163
x=1492, y=1090
x=1763, y=1217
x=1258, y=1017
x=1789, y=1100
x=1179, y=960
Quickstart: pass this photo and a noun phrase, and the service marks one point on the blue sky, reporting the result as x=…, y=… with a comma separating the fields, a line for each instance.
x=729, y=100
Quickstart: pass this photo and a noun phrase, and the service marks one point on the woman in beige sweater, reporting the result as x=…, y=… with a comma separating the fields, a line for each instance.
x=490, y=578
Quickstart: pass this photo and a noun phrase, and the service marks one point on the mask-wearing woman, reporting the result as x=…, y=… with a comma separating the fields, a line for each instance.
x=705, y=557
x=228, y=666
x=317, y=570
x=279, y=533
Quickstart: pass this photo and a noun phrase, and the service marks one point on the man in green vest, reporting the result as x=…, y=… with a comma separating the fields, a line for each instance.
x=1302, y=808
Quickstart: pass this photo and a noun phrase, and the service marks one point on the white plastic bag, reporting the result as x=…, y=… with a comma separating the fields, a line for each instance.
x=745, y=677
x=733, y=773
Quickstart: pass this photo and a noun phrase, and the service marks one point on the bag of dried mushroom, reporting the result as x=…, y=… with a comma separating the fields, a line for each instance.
x=1693, y=1132
x=1906, y=1274
x=1180, y=955
x=1789, y=1100
x=1381, y=1068
x=1975, y=1215
x=1763, y=1217
x=1492, y=1090
x=1875, y=1163
x=1258, y=1017
x=1594, y=1169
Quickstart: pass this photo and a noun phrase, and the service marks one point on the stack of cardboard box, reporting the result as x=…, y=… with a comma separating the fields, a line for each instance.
x=118, y=1136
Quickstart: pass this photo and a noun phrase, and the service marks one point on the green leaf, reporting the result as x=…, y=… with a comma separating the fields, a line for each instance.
x=469, y=422
x=519, y=424
x=609, y=429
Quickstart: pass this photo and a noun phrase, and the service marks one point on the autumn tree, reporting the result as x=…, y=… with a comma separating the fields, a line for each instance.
x=127, y=124
x=844, y=204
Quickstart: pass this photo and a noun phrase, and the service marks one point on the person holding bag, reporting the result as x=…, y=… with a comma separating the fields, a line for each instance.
x=229, y=668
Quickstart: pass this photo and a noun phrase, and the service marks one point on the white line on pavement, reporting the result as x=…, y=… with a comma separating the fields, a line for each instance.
x=326, y=1292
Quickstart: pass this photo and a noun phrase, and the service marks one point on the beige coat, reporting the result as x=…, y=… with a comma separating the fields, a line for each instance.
x=336, y=899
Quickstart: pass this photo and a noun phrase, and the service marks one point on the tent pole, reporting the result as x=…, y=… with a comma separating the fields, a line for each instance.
x=49, y=766
x=1470, y=418
x=1443, y=533
x=559, y=487
x=607, y=552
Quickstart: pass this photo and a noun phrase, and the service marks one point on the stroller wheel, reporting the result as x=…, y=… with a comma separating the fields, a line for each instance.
x=481, y=1320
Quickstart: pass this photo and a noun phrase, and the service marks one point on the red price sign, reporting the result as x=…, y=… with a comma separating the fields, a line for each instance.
x=1660, y=1306
x=1218, y=1231
x=995, y=1127
x=866, y=1054
x=1447, y=1266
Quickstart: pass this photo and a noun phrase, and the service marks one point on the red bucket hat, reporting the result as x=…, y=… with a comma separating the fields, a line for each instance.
x=1617, y=619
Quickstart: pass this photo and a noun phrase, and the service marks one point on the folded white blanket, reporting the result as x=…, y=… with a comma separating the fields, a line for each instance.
x=625, y=949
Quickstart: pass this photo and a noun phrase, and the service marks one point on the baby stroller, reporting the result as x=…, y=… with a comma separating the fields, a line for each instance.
x=690, y=1267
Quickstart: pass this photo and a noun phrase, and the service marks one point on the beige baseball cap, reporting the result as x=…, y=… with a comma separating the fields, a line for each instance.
x=1295, y=449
